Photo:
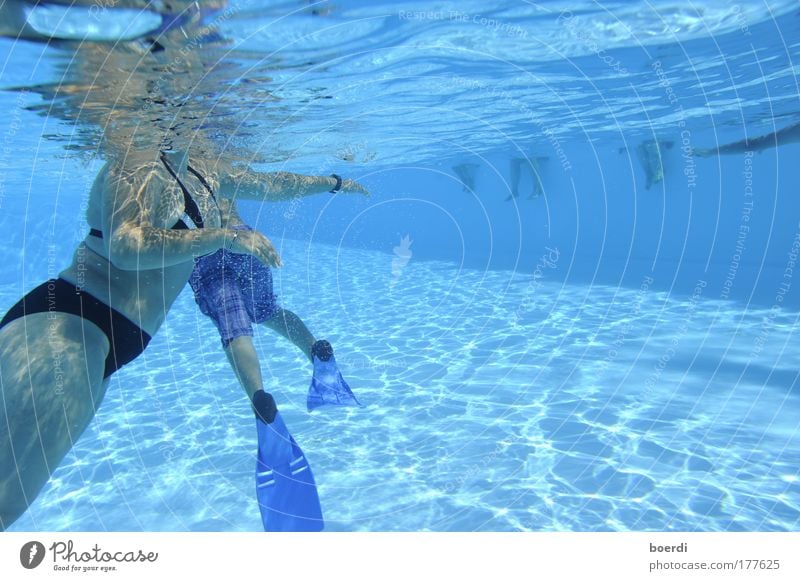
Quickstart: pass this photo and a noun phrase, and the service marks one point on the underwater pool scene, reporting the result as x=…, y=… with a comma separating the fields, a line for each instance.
x=571, y=302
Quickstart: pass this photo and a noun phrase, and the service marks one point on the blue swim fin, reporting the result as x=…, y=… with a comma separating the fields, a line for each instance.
x=328, y=387
x=285, y=488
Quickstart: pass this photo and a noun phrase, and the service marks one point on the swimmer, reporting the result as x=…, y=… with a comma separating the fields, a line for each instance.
x=466, y=173
x=534, y=168
x=651, y=157
x=235, y=291
x=150, y=216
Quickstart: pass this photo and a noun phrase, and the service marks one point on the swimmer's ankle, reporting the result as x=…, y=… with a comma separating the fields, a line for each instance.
x=322, y=350
x=264, y=406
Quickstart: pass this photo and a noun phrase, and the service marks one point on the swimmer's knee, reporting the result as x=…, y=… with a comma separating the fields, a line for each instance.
x=265, y=407
x=237, y=341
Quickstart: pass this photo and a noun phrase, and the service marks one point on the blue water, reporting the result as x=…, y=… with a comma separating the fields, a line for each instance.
x=602, y=357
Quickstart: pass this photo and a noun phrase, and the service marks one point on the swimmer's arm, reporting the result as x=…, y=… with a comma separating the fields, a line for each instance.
x=141, y=246
x=280, y=186
x=230, y=215
x=132, y=241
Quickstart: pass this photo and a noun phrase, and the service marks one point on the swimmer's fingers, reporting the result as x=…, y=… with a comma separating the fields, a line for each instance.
x=265, y=251
x=354, y=187
x=255, y=243
x=269, y=255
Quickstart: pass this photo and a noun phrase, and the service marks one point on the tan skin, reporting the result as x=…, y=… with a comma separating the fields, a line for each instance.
x=51, y=364
x=241, y=351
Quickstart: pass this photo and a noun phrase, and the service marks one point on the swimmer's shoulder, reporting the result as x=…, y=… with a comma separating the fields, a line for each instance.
x=133, y=176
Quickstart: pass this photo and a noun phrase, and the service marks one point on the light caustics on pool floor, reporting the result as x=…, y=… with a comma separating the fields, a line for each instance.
x=491, y=404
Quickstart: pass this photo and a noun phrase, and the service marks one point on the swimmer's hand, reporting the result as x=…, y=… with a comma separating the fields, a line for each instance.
x=354, y=187
x=252, y=242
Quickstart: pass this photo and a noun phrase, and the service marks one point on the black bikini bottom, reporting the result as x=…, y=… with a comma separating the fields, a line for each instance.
x=59, y=296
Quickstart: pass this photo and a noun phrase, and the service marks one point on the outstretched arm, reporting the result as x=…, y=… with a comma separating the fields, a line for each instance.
x=790, y=134
x=133, y=211
x=280, y=186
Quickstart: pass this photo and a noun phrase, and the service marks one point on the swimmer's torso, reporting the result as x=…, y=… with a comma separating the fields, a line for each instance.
x=143, y=296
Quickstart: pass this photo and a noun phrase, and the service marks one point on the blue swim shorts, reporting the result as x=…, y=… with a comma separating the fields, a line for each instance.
x=235, y=290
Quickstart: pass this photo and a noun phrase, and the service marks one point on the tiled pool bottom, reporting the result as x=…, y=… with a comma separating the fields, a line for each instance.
x=492, y=404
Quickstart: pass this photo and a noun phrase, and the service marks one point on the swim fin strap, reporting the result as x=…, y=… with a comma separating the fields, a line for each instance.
x=285, y=488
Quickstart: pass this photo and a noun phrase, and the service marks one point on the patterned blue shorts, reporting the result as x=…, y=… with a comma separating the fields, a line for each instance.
x=235, y=290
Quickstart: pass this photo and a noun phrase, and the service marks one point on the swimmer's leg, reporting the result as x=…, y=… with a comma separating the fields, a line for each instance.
x=466, y=173
x=244, y=360
x=51, y=383
x=514, y=171
x=289, y=325
x=536, y=177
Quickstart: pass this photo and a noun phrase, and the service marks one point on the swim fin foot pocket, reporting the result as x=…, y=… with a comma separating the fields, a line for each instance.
x=328, y=387
x=285, y=487
x=264, y=406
